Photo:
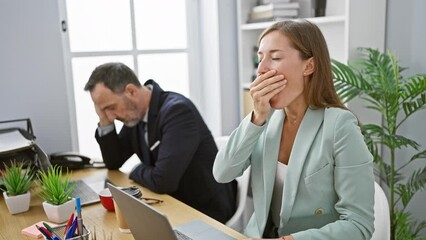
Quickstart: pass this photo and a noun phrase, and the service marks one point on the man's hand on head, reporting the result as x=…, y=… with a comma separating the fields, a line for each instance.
x=103, y=118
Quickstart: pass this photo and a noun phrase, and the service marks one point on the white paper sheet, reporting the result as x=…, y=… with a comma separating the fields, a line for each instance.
x=12, y=141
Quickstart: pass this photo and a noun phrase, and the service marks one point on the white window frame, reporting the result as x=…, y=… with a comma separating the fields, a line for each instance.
x=193, y=50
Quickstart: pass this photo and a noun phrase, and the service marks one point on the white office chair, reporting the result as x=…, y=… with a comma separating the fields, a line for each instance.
x=244, y=203
x=381, y=215
x=221, y=141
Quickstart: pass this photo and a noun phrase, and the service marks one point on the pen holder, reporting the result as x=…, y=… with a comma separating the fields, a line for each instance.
x=85, y=236
x=60, y=231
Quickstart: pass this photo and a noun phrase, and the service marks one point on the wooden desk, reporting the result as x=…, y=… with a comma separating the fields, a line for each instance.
x=95, y=215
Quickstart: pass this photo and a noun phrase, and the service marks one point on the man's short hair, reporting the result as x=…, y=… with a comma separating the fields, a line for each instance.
x=114, y=76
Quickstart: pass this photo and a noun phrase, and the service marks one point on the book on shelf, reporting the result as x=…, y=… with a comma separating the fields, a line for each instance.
x=273, y=6
x=273, y=1
x=271, y=19
x=283, y=13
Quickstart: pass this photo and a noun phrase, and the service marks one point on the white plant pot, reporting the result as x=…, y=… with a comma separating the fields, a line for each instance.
x=59, y=213
x=19, y=203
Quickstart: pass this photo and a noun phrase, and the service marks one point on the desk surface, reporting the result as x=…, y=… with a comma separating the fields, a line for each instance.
x=95, y=215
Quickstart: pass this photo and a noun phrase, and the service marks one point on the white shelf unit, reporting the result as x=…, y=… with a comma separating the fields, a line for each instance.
x=348, y=24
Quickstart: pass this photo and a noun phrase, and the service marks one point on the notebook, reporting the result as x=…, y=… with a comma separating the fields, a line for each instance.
x=145, y=222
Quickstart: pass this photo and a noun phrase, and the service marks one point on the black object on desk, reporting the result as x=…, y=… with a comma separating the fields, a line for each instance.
x=17, y=142
x=73, y=160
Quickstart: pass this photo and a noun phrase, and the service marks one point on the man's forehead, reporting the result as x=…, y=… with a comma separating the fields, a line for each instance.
x=103, y=95
x=100, y=89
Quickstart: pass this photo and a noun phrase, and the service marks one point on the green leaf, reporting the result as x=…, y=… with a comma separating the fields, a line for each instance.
x=348, y=85
x=17, y=180
x=419, y=155
x=55, y=188
x=406, y=227
x=414, y=105
x=416, y=182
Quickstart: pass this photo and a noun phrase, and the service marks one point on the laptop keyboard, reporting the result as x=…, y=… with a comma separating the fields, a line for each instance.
x=181, y=236
x=86, y=194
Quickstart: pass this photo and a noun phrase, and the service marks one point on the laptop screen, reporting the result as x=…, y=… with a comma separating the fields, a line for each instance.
x=145, y=222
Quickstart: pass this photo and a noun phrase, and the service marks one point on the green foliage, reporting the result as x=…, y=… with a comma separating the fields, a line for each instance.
x=17, y=180
x=407, y=228
x=378, y=79
x=55, y=188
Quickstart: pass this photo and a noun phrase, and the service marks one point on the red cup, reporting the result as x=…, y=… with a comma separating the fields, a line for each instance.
x=106, y=199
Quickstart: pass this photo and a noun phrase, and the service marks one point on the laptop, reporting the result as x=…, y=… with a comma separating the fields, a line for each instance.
x=145, y=222
x=88, y=190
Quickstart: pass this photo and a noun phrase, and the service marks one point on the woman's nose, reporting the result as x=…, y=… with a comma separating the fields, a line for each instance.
x=263, y=67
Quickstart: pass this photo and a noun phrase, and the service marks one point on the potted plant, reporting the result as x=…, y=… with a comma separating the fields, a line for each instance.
x=378, y=79
x=17, y=182
x=55, y=190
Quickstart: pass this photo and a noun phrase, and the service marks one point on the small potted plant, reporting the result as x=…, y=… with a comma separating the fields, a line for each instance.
x=55, y=190
x=17, y=182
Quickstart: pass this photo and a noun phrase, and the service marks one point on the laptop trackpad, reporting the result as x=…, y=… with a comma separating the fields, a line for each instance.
x=199, y=230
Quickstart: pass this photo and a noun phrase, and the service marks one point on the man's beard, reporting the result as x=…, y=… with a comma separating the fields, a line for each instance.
x=131, y=123
x=131, y=107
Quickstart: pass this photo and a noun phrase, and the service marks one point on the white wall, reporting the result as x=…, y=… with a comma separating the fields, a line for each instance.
x=219, y=65
x=209, y=32
x=32, y=82
x=229, y=66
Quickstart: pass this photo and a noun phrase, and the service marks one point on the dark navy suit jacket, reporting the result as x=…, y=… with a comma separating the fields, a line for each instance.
x=181, y=165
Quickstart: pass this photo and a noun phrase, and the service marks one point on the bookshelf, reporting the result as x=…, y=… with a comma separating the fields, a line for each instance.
x=348, y=24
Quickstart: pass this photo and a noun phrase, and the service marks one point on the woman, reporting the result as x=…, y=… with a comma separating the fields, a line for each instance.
x=312, y=174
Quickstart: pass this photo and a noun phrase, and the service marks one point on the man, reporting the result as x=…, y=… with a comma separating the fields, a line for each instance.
x=167, y=133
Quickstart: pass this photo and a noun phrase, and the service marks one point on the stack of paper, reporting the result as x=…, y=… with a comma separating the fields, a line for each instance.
x=13, y=141
x=274, y=11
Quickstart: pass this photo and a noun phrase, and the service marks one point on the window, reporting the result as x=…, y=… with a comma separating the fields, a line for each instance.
x=151, y=37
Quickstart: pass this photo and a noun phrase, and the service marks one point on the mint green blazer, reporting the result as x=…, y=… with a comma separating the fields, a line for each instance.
x=329, y=186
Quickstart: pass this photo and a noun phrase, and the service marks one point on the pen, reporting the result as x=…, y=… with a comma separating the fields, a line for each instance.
x=79, y=219
x=45, y=232
x=71, y=229
x=155, y=145
x=69, y=223
x=55, y=236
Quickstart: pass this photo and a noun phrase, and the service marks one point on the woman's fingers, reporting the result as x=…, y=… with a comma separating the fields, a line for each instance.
x=267, y=88
x=261, y=77
x=274, y=84
x=266, y=79
x=262, y=90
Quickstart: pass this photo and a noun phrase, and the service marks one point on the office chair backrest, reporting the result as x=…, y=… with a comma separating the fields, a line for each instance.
x=221, y=141
x=244, y=203
x=381, y=215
